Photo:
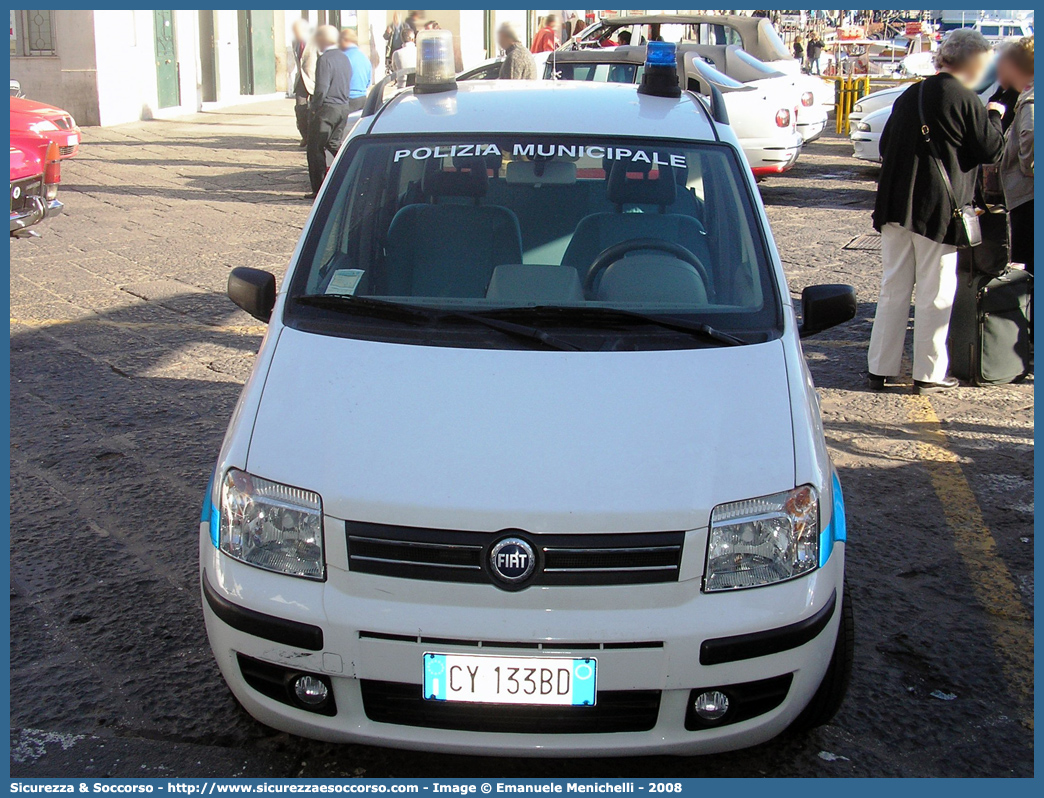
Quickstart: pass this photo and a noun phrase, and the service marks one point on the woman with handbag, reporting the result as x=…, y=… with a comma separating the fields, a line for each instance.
x=1015, y=70
x=935, y=140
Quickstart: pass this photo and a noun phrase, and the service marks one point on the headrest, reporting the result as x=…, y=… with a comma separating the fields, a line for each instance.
x=469, y=180
x=634, y=184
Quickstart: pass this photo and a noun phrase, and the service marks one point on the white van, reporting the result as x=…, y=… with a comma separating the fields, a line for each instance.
x=530, y=460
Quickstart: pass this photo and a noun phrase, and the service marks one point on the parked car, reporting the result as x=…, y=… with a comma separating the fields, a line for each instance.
x=871, y=113
x=754, y=34
x=866, y=134
x=47, y=121
x=763, y=114
x=35, y=174
x=559, y=486
x=738, y=64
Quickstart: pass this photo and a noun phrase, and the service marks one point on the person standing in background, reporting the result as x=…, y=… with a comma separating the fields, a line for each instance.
x=1015, y=71
x=305, y=55
x=799, y=51
x=814, y=51
x=921, y=185
x=404, y=58
x=546, y=38
x=333, y=75
x=518, y=61
x=362, y=70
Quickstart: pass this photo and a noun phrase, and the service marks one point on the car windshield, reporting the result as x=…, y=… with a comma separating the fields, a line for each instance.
x=425, y=233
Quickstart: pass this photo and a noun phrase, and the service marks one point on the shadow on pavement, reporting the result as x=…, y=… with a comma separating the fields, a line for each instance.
x=116, y=422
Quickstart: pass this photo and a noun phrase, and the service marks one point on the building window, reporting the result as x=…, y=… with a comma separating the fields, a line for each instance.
x=32, y=33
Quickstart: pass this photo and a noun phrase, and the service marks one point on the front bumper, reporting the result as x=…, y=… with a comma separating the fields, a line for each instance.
x=866, y=147
x=39, y=210
x=648, y=639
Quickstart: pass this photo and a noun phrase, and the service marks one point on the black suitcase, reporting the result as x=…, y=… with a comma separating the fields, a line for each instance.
x=989, y=340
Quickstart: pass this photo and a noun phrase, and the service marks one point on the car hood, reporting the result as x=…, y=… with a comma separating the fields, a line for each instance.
x=32, y=144
x=492, y=439
x=20, y=105
x=24, y=164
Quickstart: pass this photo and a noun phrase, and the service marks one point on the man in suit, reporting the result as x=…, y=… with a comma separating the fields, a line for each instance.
x=305, y=55
x=329, y=104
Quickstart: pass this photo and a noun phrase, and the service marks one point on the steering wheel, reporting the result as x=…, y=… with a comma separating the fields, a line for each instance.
x=610, y=255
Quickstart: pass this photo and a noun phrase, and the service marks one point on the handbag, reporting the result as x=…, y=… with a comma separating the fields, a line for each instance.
x=967, y=215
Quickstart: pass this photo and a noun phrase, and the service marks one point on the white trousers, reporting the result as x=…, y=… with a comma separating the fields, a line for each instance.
x=908, y=258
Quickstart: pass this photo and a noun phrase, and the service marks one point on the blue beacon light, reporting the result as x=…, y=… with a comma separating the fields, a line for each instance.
x=660, y=78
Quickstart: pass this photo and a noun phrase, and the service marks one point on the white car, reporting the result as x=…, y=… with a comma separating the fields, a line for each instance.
x=763, y=114
x=875, y=101
x=808, y=92
x=530, y=461
x=866, y=134
x=870, y=115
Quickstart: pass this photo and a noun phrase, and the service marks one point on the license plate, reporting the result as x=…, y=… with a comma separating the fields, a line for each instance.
x=510, y=680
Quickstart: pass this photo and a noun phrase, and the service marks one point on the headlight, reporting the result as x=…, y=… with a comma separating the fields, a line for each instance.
x=272, y=526
x=762, y=541
x=857, y=108
x=863, y=127
x=43, y=126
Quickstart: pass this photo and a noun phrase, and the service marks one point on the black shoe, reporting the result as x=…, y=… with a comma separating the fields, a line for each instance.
x=923, y=388
x=875, y=381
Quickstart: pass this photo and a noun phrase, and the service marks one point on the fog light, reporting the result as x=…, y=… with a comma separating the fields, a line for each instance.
x=711, y=705
x=311, y=691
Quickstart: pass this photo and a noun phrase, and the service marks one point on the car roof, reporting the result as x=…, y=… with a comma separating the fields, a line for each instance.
x=544, y=107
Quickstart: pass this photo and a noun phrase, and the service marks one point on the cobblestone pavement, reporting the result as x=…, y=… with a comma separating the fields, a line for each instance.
x=126, y=360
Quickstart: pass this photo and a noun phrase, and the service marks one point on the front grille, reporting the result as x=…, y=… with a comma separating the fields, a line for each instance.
x=68, y=150
x=529, y=644
x=443, y=555
x=27, y=187
x=616, y=711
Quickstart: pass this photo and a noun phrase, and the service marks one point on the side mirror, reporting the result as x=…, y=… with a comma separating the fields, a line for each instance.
x=826, y=306
x=253, y=290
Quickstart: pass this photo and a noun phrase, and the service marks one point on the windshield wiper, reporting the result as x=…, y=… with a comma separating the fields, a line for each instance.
x=400, y=311
x=367, y=306
x=603, y=315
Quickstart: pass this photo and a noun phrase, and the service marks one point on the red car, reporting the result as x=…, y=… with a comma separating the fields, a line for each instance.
x=35, y=174
x=29, y=116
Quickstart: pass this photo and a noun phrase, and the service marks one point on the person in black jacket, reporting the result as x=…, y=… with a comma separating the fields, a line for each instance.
x=329, y=104
x=915, y=209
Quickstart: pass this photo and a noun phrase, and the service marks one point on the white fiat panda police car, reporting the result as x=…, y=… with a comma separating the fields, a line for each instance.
x=530, y=460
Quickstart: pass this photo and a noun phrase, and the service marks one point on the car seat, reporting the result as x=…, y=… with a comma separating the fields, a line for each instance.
x=448, y=246
x=633, y=184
